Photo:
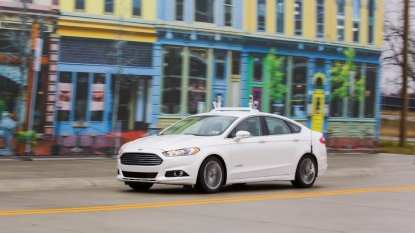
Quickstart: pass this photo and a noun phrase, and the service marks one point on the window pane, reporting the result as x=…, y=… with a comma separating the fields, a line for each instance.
x=205, y=11
x=279, y=107
x=172, y=80
x=258, y=68
x=280, y=16
x=98, y=102
x=179, y=10
x=236, y=62
x=294, y=128
x=299, y=87
x=252, y=125
x=64, y=96
x=261, y=15
x=336, y=105
x=220, y=66
x=320, y=18
x=228, y=16
x=81, y=97
x=80, y=4
x=109, y=6
x=370, y=91
x=137, y=7
x=277, y=126
x=197, y=79
x=340, y=20
x=298, y=14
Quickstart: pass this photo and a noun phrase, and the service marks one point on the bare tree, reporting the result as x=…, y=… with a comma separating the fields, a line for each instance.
x=399, y=52
x=19, y=49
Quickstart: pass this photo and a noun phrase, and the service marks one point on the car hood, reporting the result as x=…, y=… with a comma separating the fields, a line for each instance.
x=163, y=142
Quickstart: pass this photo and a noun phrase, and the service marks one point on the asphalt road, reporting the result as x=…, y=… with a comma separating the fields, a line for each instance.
x=369, y=203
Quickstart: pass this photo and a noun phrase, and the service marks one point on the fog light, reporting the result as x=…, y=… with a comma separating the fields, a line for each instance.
x=178, y=173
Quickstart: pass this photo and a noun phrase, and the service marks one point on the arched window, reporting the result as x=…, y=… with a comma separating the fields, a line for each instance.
x=340, y=19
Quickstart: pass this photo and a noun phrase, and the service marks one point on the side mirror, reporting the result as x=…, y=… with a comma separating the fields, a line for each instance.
x=240, y=135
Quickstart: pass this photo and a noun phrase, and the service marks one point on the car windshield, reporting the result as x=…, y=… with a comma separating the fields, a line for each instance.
x=201, y=125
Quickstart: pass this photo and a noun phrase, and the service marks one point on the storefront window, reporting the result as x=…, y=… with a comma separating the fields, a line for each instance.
x=355, y=102
x=81, y=97
x=64, y=96
x=278, y=107
x=172, y=80
x=197, y=79
x=220, y=61
x=299, y=87
x=370, y=91
x=97, y=100
x=336, y=104
x=258, y=68
x=236, y=62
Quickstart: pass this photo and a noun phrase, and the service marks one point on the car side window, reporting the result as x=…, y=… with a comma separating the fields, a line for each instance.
x=277, y=126
x=294, y=128
x=252, y=125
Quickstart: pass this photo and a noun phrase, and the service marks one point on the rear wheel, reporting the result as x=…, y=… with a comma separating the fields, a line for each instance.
x=138, y=186
x=211, y=175
x=306, y=173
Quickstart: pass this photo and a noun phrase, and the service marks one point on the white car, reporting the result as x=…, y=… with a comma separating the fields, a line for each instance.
x=223, y=147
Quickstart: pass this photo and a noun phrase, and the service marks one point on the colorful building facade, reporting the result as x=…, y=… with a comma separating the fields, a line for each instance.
x=137, y=66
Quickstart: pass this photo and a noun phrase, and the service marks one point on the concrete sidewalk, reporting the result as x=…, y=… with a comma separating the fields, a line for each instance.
x=56, y=173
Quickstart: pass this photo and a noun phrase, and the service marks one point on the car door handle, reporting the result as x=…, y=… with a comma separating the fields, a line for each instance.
x=296, y=140
x=261, y=141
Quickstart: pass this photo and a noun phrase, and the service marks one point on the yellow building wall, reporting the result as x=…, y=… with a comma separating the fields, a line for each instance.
x=271, y=16
x=363, y=23
x=330, y=20
x=289, y=17
x=250, y=15
x=309, y=18
x=379, y=23
x=348, y=21
x=122, y=8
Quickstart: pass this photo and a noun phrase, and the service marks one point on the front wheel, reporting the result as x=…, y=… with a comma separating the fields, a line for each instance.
x=211, y=175
x=306, y=174
x=138, y=186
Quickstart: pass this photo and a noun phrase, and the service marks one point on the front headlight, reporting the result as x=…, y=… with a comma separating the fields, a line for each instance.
x=181, y=152
x=120, y=152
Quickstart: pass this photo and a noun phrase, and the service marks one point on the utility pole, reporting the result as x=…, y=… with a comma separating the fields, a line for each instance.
x=405, y=101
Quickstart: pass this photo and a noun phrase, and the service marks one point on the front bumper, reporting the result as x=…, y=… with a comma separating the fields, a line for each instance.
x=187, y=164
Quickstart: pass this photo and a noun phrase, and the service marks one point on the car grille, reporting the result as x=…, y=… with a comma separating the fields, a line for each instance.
x=139, y=174
x=141, y=159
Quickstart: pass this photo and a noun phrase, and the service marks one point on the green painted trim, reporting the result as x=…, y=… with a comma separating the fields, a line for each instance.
x=288, y=79
x=185, y=80
x=265, y=91
x=229, y=75
x=209, y=79
x=362, y=103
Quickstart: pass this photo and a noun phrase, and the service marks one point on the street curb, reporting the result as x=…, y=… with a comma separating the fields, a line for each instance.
x=102, y=182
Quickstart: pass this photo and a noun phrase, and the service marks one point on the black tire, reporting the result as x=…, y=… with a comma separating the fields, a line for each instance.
x=214, y=167
x=139, y=186
x=306, y=173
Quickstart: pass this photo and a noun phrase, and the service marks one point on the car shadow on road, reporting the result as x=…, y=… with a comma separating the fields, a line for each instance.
x=248, y=188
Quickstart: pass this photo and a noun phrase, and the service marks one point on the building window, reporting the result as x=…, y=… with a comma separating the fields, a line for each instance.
x=280, y=16
x=179, y=10
x=356, y=20
x=298, y=16
x=340, y=19
x=172, y=80
x=370, y=91
x=65, y=87
x=80, y=5
x=197, y=79
x=279, y=107
x=109, y=6
x=320, y=18
x=136, y=7
x=299, y=87
x=258, y=63
x=371, y=19
x=336, y=104
x=228, y=13
x=236, y=63
x=220, y=66
x=98, y=101
x=81, y=96
x=205, y=11
x=261, y=15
